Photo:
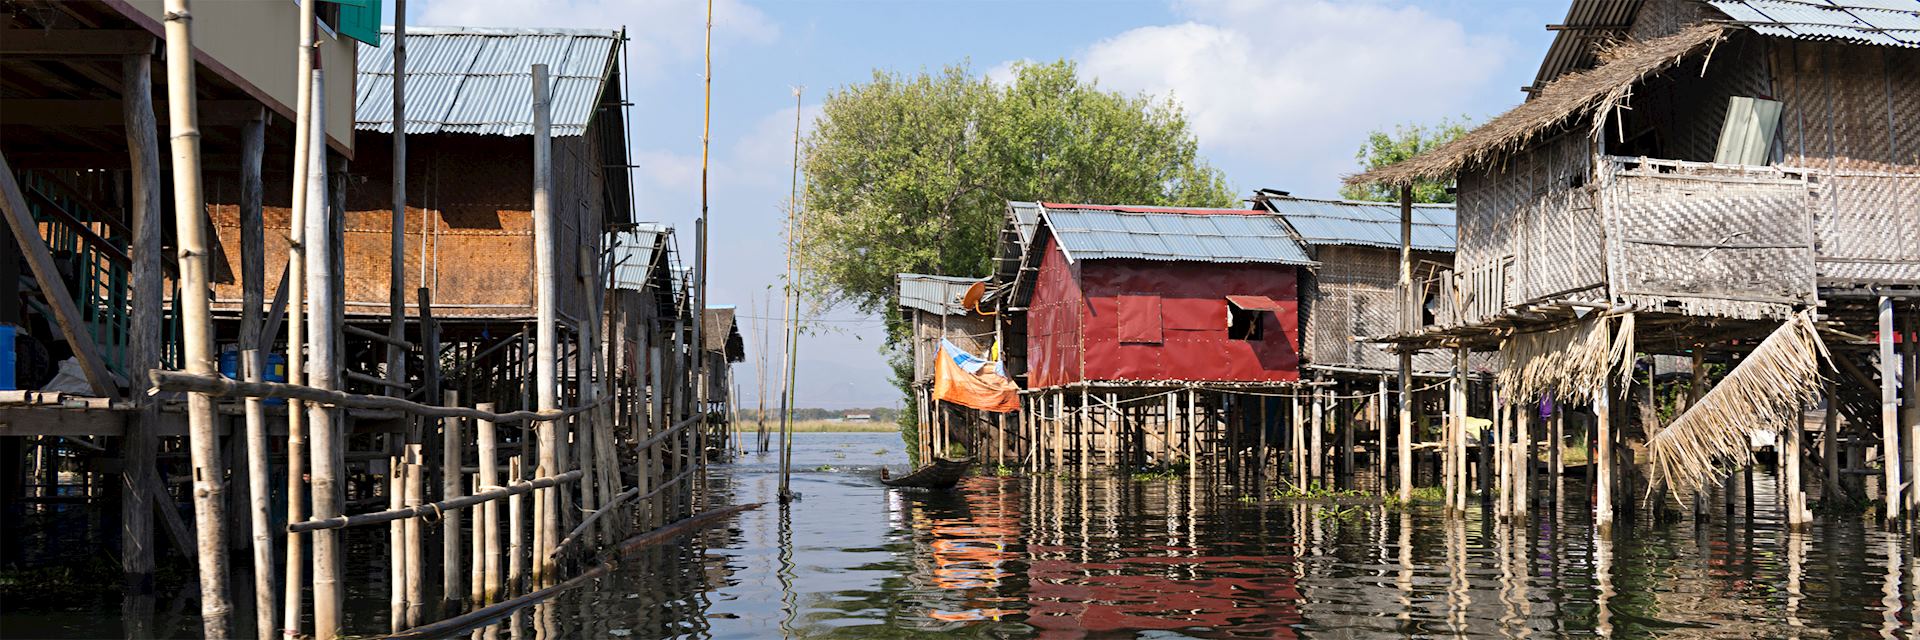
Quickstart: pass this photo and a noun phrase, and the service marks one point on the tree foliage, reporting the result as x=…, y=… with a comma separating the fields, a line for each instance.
x=1406, y=141
x=912, y=173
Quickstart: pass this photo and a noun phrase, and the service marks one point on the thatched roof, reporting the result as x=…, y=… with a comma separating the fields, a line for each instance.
x=1572, y=96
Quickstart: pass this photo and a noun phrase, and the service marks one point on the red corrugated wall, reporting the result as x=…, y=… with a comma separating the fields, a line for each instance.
x=1055, y=319
x=1094, y=320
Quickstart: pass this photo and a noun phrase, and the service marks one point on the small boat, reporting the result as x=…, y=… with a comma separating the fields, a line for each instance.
x=940, y=476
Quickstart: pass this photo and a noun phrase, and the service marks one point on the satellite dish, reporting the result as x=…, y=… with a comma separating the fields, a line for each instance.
x=971, y=299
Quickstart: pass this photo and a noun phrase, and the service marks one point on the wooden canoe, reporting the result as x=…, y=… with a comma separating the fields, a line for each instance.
x=941, y=475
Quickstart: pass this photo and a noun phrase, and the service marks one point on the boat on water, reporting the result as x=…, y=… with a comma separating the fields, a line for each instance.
x=941, y=475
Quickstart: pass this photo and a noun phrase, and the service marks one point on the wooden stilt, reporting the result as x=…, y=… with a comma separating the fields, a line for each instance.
x=1602, y=457
x=139, y=495
x=322, y=371
x=1297, y=444
x=1316, y=449
x=1380, y=432
x=516, y=535
x=1889, y=415
x=1910, y=407
x=416, y=493
x=1410, y=316
x=254, y=363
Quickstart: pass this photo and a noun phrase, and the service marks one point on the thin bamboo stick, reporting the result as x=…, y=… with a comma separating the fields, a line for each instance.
x=407, y=513
x=196, y=319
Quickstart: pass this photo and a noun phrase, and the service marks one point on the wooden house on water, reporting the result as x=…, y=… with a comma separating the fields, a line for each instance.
x=935, y=308
x=1730, y=166
x=1148, y=334
x=1351, y=294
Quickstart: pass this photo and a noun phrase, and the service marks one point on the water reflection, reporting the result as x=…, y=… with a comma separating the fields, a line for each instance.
x=1189, y=557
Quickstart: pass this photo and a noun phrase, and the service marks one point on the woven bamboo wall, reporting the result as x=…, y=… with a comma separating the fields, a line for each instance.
x=1534, y=209
x=1853, y=115
x=1709, y=241
x=970, y=332
x=1658, y=18
x=1352, y=295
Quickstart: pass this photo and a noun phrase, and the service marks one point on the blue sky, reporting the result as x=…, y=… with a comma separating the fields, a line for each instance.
x=1280, y=92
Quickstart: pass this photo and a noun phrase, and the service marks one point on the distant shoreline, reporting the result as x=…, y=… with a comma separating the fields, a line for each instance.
x=821, y=426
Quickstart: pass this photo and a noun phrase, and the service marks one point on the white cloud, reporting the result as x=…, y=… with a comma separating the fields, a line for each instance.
x=1304, y=78
x=660, y=31
x=1002, y=74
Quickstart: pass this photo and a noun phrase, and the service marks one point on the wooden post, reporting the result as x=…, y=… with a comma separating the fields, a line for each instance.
x=1522, y=458
x=196, y=318
x=1556, y=443
x=1298, y=440
x=139, y=495
x=1602, y=457
x=1409, y=310
x=1380, y=425
x=1502, y=445
x=1910, y=411
x=253, y=359
x=1456, y=441
x=1058, y=441
x=1113, y=428
x=1344, y=416
x=396, y=262
x=1316, y=447
x=482, y=581
x=1083, y=431
x=1889, y=414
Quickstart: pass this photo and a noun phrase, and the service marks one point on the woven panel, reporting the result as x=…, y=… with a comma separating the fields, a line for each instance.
x=1658, y=18
x=1560, y=250
x=1711, y=244
x=1870, y=218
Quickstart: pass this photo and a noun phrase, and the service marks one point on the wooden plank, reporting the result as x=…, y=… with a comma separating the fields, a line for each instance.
x=26, y=234
x=52, y=112
x=59, y=44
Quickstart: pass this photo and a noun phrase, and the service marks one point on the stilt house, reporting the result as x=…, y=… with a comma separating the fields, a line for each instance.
x=1146, y=306
x=1727, y=166
x=934, y=306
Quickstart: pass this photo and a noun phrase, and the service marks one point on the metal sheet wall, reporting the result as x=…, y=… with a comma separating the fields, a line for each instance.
x=1194, y=343
x=1055, y=321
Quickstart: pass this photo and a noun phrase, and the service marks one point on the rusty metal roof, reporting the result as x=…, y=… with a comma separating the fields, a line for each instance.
x=1890, y=23
x=480, y=80
x=934, y=294
x=1355, y=223
x=1095, y=232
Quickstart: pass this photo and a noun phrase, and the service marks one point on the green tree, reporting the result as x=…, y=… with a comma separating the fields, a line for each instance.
x=912, y=173
x=1406, y=141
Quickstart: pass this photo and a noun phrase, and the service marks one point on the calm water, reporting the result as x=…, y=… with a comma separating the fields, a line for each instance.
x=1114, y=557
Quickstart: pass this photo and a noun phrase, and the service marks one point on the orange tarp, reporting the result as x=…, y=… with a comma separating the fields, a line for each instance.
x=986, y=391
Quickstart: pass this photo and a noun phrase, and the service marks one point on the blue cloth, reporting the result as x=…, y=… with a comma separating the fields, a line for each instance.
x=966, y=361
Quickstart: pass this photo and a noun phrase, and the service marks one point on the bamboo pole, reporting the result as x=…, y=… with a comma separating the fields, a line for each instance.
x=305, y=79
x=1316, y=440
x=516, y=536
x=416, y=540
x=451, y=486
x=1556, y=442
x=1456, y=487
x=1380, y=424
x=546, y=358
x=196, y=319
x=1297, y=444
x=1502, y=455
x=396, y=262
x=139, y=493
x=396, y=547
x=478, y=589
x=1409, y=310
x=328, y=592
x=215, y=385
x=489, y=521
x=1910, y=412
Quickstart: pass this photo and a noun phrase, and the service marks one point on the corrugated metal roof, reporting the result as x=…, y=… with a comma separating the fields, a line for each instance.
x=633, y=253
x=934, y=294
x=1027, y=216
x=480, y=80
x=1094, y=232
x=1589, y=24
x=1369, y=224
x=1891, y=23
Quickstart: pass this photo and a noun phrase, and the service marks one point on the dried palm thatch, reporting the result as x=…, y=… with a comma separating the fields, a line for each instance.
x=1572, y=96
x=1766, y=392
x=1569, y=363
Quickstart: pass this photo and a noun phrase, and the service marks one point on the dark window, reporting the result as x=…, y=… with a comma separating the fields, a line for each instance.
x=1244, y=324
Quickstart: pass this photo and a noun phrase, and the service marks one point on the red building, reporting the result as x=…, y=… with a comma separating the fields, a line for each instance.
x=1150, y=294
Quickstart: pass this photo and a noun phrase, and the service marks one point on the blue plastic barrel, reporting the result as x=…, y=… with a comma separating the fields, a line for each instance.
x=276, y=369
